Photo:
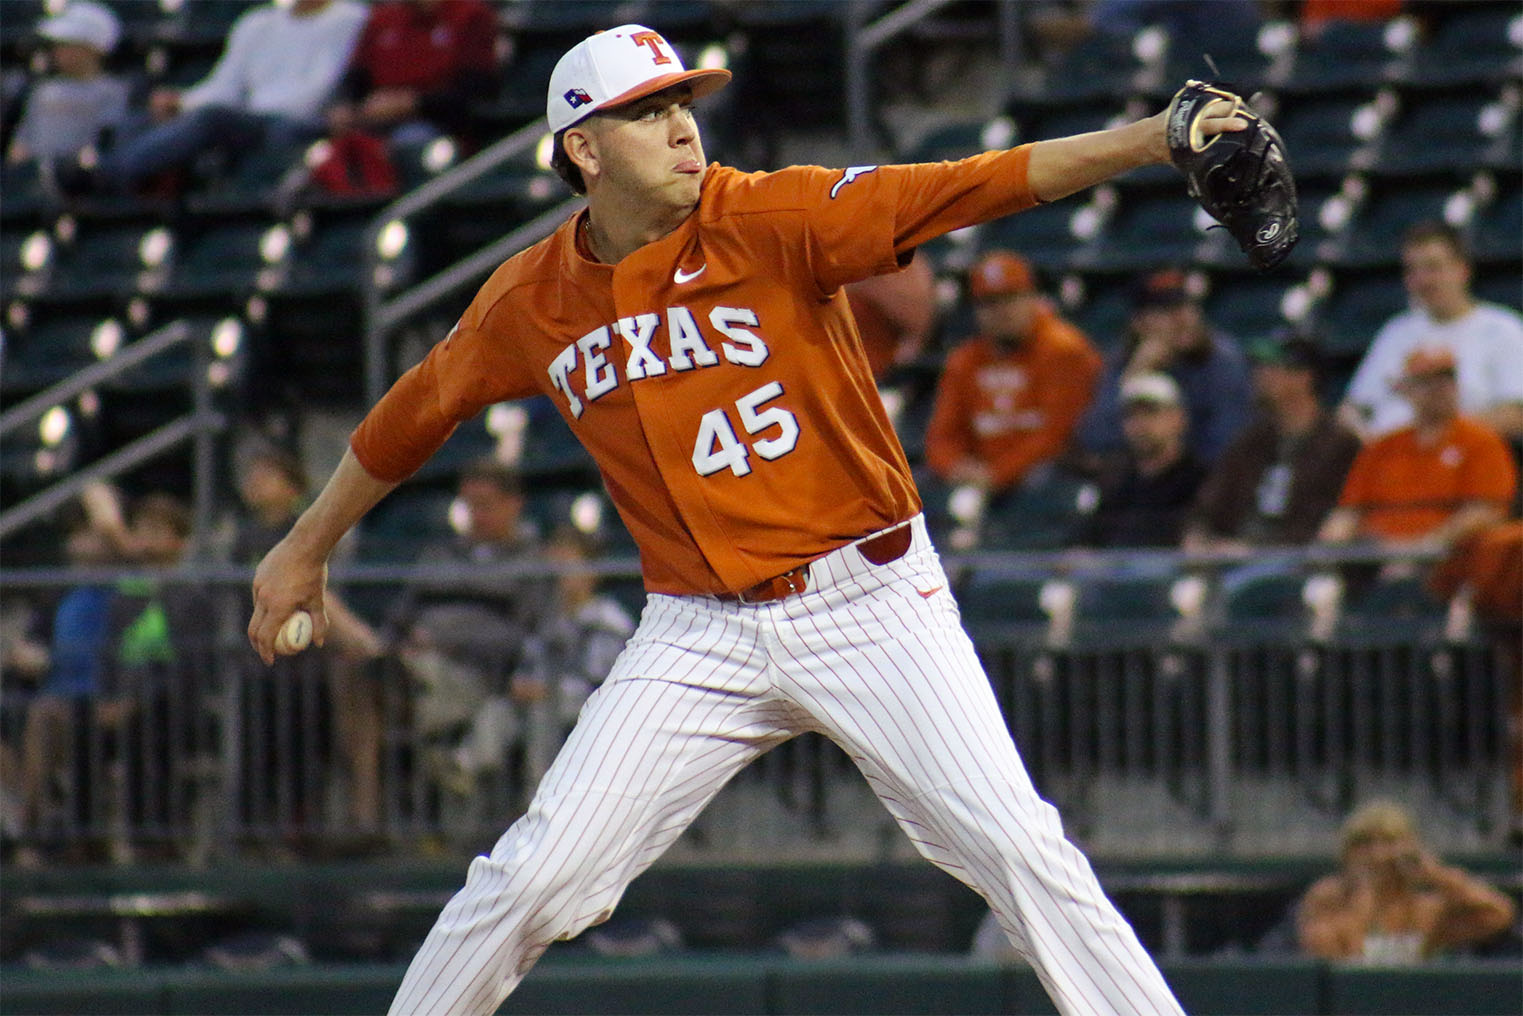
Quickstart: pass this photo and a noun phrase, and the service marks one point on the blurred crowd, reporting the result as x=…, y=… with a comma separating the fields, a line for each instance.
x=1173, y=434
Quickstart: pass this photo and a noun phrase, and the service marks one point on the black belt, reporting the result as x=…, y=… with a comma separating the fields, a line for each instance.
x=887, y=546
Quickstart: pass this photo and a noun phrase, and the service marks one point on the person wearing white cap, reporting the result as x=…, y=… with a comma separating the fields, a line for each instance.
x=280, y=67
x=68, y=110
x=691, y=326
x=1146, y=502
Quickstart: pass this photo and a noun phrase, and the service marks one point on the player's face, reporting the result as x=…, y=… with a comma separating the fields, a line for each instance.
x=1436, y=277
x=1007, y=317
x=1434, y=397
x=650, y=148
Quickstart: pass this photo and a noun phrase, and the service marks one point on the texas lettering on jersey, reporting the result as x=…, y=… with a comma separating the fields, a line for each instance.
x=714, y=375
x=687, y=349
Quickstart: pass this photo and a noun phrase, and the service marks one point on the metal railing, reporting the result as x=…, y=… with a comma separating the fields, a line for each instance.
x=1165, y=737
x=384, y=312
x=199, y=427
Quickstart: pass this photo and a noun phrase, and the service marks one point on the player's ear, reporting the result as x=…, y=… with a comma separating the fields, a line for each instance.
x=581, y=149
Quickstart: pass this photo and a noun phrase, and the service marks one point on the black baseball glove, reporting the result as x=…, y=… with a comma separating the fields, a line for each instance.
x=1240, y=178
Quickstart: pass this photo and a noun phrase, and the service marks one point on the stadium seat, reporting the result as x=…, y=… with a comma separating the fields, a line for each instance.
x=1321, y=132
x=1354, y=312
x=1499, y=229
x=1234, y=50
x=1098, y=66
x=1043, y=234
x=27, y=201
x=1104, y=312
x=1443, y=132
x=1249, y=305
x=1318, y=223
x=1471, y=45
x=397, y=529
x=948, y=142
x=26, y=262
x=1145, y=231
x=106, y=261
x=1501, y=285
x=53, y=345
x=1347, y=54
x=1046, y=513
x=251, y=183
x=1373, y=236
x=201, y=25
x=990, y=601
x=1055, y=119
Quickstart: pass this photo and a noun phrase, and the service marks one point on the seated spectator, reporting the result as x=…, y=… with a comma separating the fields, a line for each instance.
x=895, y=313
x=1009, y=397
x=463, y=639
x=1278, y=480
x=68, y=110
x=1168, y=333
x=1392, y=902
x=1486, y=340
x=278, y=71
x=1144, y=505
x=1318, y=14
x=566, y=657
x=61, y=717
x=417, y=69
x=1432, y=482
x=272, y=489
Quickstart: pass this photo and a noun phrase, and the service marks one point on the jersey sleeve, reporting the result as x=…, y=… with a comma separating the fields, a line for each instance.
x=865, y=220
x=471, y=369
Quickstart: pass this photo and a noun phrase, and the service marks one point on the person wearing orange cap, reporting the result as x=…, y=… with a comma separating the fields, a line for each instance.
x=1430, y=483
x=1010, y=396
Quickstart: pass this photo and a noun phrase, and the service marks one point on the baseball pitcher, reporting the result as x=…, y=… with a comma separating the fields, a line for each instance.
x=690, y=326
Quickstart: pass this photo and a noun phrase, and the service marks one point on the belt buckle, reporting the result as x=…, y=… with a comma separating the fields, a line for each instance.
x=797, y=580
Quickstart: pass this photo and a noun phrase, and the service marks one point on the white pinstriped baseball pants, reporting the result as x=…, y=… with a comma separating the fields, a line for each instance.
x=873, y=656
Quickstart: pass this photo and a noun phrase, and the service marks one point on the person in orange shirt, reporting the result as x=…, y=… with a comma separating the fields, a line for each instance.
x=1431, y=483
x=1010, y=397
x=690, y=325
x=895, y=314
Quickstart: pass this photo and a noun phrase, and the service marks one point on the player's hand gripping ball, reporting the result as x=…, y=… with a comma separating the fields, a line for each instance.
x=295, y=635
x=1240, y=178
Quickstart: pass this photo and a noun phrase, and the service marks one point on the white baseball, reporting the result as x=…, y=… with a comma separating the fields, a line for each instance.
x=295, y=634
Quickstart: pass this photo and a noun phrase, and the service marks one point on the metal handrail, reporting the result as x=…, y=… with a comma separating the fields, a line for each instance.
x=172, y=334
x=864, y=38
x=198, y=426
x=381, y=312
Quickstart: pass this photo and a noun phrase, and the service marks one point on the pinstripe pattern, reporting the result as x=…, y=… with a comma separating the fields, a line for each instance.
x=704, y=687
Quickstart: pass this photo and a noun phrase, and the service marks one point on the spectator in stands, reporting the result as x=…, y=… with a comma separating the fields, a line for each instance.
x=1315, y=15
x=896, y=314
x=418, y=68
x=61, y=718
x=1276, y=483
x=1393, y=902
x=1432, y=482
x=1145, y=504
x=463, y=639
x=280, y=68
x=1485, y=338
x=68, y=110
x=1010, y=397
x=1168, y=333
x=566, y=657
x=272, y=486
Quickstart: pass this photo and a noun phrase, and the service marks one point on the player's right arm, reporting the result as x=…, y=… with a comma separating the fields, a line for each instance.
x=293, y=574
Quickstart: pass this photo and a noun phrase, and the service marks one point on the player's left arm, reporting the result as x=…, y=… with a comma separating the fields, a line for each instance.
x=1064, y=166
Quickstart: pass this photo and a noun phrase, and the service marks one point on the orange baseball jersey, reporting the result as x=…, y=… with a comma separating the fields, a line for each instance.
x=1407, y=489
x=715, y=375
x=1012, y=410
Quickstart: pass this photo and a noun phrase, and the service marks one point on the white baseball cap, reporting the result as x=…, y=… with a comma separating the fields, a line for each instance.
x=1155, y=388
x=83, y=22
x=615, y=67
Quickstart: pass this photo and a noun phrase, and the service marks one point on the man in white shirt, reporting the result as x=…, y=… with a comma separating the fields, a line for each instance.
x=279, y=69
x=1485, y=338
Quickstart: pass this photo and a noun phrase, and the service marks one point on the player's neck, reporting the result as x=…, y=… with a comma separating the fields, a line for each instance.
x=613, y=232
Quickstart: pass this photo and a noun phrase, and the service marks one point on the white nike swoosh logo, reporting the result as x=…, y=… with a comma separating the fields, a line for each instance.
x=679, y=276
